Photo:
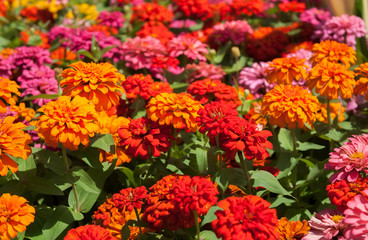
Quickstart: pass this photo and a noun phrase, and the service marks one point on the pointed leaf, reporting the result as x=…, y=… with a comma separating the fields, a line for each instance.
x=269, y=182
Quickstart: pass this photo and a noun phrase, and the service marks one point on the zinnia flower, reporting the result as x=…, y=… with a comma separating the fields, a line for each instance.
x=15, y=215
x=179, y=110
x=113, y=19
x=286, y=70
x=66, y=121
x=160, y=87
x=336, y=110
x=350, y=159
x=204, y=70
x=138, y=84
x=198, y=9
x=7, y=88
x=151, y=12
x=361, y=87
x=99, y=83
x=291, y=106
x=315, y=16
x=292, y=230
x=235, y=31
x=194, y=194
x=326, y=225
x=130, y=198
x=332, y=51
x=356, y=218
x=89, y=232
x=248, y=217
x=292, y=6
x=13, y=142
x=142, y=137
x=189, y=46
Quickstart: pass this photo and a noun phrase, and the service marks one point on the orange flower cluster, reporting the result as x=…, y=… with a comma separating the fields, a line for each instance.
x=331, y=80
x=337, y=110
x=286, y=70
x=62, y=54
x=67, y=121
x=290, y=230
x=179, y=110
x=151, y=12
x=89, y=232
x=361, y=87
x=14, y=142
x=109, y=217
x=22, y=111
x=156, y=30
x=291, y=106
x=98, y=82
x=24, y=37
x=110, y=125
x=7, y=88
x=333, y=52
x=15, y=215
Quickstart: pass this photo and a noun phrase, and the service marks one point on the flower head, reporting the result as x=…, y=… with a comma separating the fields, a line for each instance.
x=179, y=110
x=151, y=12
x=315, y=16
x=160, y=87
x=13, y=142
x=254, y=79
x=142, y=137
x=89, y=232
x=138, y=84
x=113, y=19
x=286, y=70
x=189, y=46
x=248, y=217
x=204, y=70
x=99, y=83
x=156, y=30
x=291, y=106
x=332, y=51
x=235, y=31
x=130, y=198
x=7, y=88
x=198, y=9
x=67, y=121
x=292, y=229
x=361, y=87
x=15, y=215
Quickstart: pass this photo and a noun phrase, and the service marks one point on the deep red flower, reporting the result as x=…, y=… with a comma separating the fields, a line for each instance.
x=341, y=192
x=292, y=6
x=89, y=232
x=196, y=9
x=241, y=135
x=164, y=62
x=194, y=194
x=130, y=198
x=248, y=217
x=142, y=137
x=138, y=84
x=246, y=7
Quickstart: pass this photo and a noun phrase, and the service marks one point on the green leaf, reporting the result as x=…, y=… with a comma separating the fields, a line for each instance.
x=41, y=96
x=34, y=40
x=220, y=54
x=105, y=142
x=27, y=167
x=305, y=146
x=210, y=216
x=51, y=160
x=29, y=128
x=285, y=139
x=208, y=235
x=129, y=174
x=86, y=54
x=105, y=50
x=335, y=135
x=282, y=200
x=84, y=180
x=293, y=161
x=237, y=66
x=89, y=155
x=316, y=171
x=20, y=236
x=61, y=218
x=269, y=182
x=199, y=163
x=42, y=185
x=125, y=232
x=346, y=126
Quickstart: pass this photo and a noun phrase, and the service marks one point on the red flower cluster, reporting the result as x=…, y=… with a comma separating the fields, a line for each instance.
x=89, y=232
x=213, y=90
x=164, y=62
x=341, y=192
x=248, y=217
x=199, y=9
x=130, y=198
x=138, y=84
x=194, y=194
x=246, y=7
x=151, y=12
x=292, y=6
x=142, y=137
x=160, y=87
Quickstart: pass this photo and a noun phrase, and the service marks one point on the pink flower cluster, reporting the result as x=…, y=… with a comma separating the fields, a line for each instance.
x=235, y=31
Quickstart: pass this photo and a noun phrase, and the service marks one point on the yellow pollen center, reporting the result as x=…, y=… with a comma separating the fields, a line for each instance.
x=357, y=155
x=337, y=218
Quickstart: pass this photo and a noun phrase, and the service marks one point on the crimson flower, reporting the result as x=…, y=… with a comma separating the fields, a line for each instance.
x=130, y=198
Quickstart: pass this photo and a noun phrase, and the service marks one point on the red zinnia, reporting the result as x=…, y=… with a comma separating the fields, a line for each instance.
x=130, y=198
x=199, y=9
x=194, y=194
x=241, y=135
x=341, y=192
x=164, y=62
x=293, y=6
x=151, y=12
x=248, y=217
x=156, y=30
x=138, y=84
x=89, y=232
x=142, y=137
x=160, y=87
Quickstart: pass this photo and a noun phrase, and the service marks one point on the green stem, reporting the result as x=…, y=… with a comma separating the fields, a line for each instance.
x=328, y=113
x=66, y=163
x=197, y=224
x=245, y=170
x=294, y=141
x=137, y=214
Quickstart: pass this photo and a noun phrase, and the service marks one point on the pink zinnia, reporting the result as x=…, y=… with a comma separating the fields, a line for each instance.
x=235, y=31
x=111, y=19
x=254, y=79
x=350, y=159
x=356, y=218
x=138, y=52
x=326, y=225
x=189, y=46
x=204, y=70
x=315, y=16
x=27, y=57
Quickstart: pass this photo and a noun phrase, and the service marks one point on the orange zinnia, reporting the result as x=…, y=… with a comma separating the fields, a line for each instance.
x=7, y=87
x=179, y=110
x=66, y=121
x=361, y=87
x=286, y=70
x=110, y=125
x=332, y=51
x=26, y=113
x=98, y=82
x=331, y=80
x=15, y=215
x=290, y=105
x=290, y=230
x=14, y=142
x=337, y=110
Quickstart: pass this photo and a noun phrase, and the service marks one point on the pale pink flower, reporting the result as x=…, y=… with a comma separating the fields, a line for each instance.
x=349, y=159
x=189, y=46
x=356, y=217
x=204, y=70
x=326, y=225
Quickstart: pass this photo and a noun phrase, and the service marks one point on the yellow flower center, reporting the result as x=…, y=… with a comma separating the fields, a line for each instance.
x=357, y=155
x=337, y=218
